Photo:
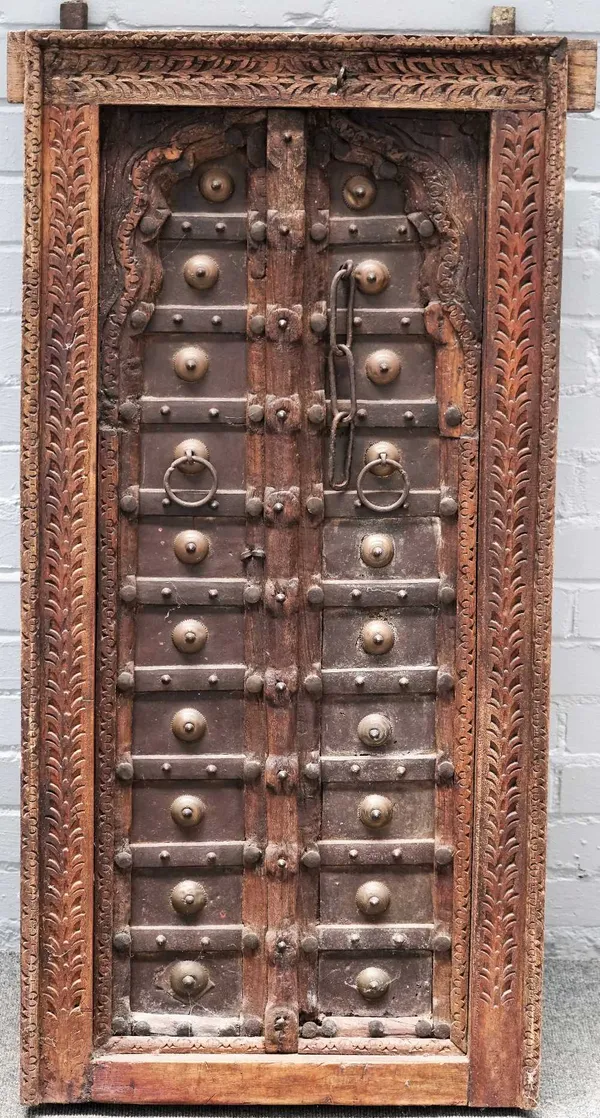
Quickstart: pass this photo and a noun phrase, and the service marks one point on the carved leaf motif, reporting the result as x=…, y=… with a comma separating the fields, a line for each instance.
x=305, y=77
x=67, y=601
x=511, y=473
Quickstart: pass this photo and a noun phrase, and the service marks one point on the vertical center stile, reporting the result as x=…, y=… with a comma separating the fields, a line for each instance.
x=286, y=168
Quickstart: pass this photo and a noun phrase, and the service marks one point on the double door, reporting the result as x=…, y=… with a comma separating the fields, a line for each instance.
x=287, y=512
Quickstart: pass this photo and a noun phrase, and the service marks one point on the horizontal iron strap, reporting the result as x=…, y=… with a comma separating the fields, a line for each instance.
x=387, y=937
x=374, y=230
x=228, y=677
x=190, y=591
x=383, y=320
x=231, y=502
x=395, y=592
x=184, y=319
x=207, y=766
x=379, y=681
x=205, y=227
x=388, y=770
x=204, y=938
x=421, y=502
x=393, y=413
x=211, y=855
x=186, y=409
x=376, y=852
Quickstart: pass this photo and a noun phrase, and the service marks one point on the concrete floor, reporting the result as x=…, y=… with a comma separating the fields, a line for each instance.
x=570, y=1079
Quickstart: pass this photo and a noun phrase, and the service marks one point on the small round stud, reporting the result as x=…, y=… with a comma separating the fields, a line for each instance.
x=448, y=506
x=188, y=979
x=373, y=898
x=372, y=277
x=252, y=594
x=383, y=366
x=216, y=184
x=250, y=941
x=258, y=231
x=382, y=450
x=190, y=363
x=191, y=547
x=359, y=192
x=189, y=636
x=377, y=638
x=187, y=811
x=124, y=772
x=377, y=549
x=372, y=983
x=201, y=272
x=453, y=416
x=254, y=684
x=318, y=322
x=257, y=325
x=191, y=450
x=188, y=898
x=375, y=811
x=375, y=730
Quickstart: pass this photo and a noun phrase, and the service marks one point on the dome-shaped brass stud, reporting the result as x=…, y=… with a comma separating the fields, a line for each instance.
x=375, y=729
x=188, y=897
x=188, y=979
x=216, y=184
x=375, y=811
x=359, y=192
x=374, y=452
x=377, y=549
x=373, y=898
x=383, y=366
x=189, y=636
x=372, y=277
x=201, y=272
x=372, y=983
x=187, y=811
x=190, y=362
x=191, y=546
x=191, y=450
x=377, y=637
x=188, y=724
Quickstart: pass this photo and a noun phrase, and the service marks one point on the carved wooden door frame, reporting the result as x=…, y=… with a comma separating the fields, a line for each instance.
x=526, y=86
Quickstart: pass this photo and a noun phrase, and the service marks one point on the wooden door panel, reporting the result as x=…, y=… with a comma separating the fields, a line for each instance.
x=220, y=729
x=261, y=633
x=153, y=895
x=411, y=722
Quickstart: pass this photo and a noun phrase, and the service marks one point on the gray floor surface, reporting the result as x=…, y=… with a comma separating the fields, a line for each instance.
x=570, y=1079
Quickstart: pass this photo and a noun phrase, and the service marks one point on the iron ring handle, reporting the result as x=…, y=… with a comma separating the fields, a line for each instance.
x=364, y=500
x=203, y=500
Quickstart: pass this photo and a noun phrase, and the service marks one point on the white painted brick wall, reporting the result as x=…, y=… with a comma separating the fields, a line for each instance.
x=574, y=844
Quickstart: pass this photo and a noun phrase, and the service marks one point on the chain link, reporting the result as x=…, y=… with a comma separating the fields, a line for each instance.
x=341, y=417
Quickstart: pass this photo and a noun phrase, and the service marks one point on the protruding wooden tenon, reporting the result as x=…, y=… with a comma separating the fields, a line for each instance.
x=503, y=20
x=73, y=15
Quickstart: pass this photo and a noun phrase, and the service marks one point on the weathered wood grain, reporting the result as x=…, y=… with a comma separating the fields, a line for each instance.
x=291, y=1079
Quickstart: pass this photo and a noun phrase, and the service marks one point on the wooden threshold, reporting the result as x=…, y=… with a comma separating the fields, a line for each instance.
x=290, y=1079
